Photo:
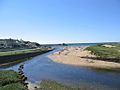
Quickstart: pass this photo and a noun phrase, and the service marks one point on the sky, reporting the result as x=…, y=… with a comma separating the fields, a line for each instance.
x=60, y=21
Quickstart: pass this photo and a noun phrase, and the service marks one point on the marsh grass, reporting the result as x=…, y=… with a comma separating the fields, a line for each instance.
x=13, y=86
x=106, y=52
x=25, y=51
x=9, y=80
x=53, y=85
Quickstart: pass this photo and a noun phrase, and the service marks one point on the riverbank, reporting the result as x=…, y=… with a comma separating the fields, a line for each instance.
x=7, y=58
x=10, y=80
x=74, y=56
x=53, y=85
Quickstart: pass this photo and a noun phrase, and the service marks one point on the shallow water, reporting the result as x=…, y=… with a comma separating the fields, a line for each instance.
x=42, y=68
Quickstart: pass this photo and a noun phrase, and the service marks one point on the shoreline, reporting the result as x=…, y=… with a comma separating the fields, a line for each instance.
x=32, y=86
x=73, y=56
x=11, y=59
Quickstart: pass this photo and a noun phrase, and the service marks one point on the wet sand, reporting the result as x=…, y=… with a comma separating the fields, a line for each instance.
x=31, y=86
x=73, y=56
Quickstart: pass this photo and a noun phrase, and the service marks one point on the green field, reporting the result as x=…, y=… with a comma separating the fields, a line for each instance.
x=106, y=52
x=9, y=80
x=11, y=49
x=25, y=51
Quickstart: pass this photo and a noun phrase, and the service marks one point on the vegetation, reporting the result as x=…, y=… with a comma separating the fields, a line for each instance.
x=25, y=51
x=13, y=86
x=53, y=85
x=109, y=53
x=11, y=80
x=11, y=49
x=12, y=57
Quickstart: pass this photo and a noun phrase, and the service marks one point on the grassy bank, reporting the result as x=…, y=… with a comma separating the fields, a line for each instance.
x=11, y=49
x=7, y=58
x=25, y=51
x=111, y=53
x=53, y=85
x=9, y=80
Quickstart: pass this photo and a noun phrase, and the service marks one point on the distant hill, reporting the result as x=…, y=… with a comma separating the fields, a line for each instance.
x=14, y=43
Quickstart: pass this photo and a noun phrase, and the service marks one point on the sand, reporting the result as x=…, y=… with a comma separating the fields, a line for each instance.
x=73, y=56
x=108, y=46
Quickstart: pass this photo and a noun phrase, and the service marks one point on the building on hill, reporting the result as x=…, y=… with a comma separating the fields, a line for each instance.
x=8, y=43
x=12, y=43
x=2, y=43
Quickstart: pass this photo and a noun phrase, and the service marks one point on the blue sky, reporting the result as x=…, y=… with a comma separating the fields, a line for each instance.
x=58, y=21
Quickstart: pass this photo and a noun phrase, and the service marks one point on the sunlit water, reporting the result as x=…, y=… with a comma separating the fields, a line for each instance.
x=42, y=68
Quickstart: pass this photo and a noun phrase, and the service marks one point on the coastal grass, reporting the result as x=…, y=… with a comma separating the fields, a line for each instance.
x=11, y=58
x=11, y=49
x=53, y=85
x=13, y=86
x=9, y=80
x=25, y=51
x=106, y=52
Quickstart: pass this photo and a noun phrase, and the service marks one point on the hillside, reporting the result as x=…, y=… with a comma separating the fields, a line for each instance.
x=6, y=44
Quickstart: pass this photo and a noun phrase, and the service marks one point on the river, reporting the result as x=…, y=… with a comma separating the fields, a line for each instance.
x=42, y=68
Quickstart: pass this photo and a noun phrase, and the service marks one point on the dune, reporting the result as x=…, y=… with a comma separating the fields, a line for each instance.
x=73, y=56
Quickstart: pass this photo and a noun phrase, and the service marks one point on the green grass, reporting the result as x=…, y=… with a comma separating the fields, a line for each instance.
x=23, y=51
x=13, y=86
x=53, y=85
x=11, y=49
x=9, y=80
x=7, y=77
x=105, y=52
